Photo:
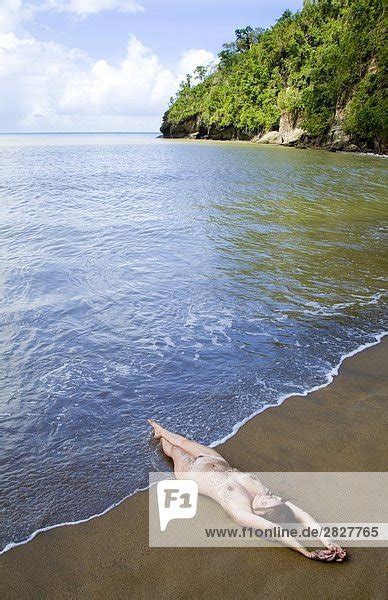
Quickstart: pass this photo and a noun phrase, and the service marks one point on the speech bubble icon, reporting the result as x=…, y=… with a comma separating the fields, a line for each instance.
x=177, y=499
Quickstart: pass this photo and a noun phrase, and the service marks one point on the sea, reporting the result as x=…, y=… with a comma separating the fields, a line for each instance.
x=197, y=283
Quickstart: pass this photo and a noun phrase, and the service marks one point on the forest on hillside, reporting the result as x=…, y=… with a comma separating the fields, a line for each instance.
x=324, y=68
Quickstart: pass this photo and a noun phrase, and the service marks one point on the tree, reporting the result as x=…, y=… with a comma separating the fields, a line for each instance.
x=285, y=16
x=201, y=72
x=246, y=37
x=227, y=54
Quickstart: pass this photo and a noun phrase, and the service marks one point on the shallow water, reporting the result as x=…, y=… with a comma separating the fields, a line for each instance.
x=191, y=282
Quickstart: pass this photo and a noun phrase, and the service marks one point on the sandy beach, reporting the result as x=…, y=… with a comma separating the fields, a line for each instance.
x=339, y=428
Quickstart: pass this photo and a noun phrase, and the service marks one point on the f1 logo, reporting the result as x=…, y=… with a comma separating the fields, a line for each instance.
x=177, y=499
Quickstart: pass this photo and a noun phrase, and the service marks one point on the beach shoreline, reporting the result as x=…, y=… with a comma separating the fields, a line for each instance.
x=361, y=153
x=108, y=555
x=235, y=429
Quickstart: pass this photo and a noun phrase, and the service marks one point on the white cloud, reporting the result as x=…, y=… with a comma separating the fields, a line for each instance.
x=194, y=58
x=88, y=7
x=47, y=86
x=11, y=13
x=139, y=85
x=15, y=12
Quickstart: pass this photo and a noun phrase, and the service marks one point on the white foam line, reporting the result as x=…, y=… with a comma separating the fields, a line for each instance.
x=371, y=154
x=329, y=378
x=11, y=545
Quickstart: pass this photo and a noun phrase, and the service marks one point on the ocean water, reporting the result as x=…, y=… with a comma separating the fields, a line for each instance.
x=190, y=282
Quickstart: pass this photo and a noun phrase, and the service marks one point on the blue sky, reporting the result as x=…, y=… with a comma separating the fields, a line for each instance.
x=109, y=65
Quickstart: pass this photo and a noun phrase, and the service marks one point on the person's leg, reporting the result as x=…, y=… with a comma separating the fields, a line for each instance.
x=193, y=448
x=181, y=459
x=167, y=447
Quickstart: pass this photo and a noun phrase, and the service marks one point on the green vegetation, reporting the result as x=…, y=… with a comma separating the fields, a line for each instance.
x=324, y=63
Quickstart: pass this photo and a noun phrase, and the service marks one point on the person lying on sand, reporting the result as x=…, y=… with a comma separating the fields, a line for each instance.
x=242, y=495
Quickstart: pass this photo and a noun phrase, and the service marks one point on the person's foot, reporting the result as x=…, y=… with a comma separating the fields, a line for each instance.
x=157, y=428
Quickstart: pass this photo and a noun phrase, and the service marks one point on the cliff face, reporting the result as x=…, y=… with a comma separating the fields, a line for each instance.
x=317, y=78
x=289, y=133
x=184, y=128
x=195, y=128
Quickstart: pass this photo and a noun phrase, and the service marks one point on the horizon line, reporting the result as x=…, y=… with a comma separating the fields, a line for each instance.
x=68, y=132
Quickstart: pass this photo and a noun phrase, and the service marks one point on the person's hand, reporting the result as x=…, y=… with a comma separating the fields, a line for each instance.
x=332, y=554
x=341, y=553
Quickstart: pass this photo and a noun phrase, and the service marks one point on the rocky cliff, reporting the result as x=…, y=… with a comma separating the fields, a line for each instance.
x=317, y=78
x=289, y=133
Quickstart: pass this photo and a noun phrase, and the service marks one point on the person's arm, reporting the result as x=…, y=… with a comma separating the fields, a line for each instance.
x=248, y=519
x=308, y=521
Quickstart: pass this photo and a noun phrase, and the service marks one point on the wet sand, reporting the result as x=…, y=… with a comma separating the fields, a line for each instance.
x=339, y=428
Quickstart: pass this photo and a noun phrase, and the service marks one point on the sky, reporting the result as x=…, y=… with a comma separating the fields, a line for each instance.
x=110, y=65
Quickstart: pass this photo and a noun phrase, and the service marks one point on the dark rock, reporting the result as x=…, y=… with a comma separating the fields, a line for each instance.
x=222, y=133
x=193, y=127
x=190, y=126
